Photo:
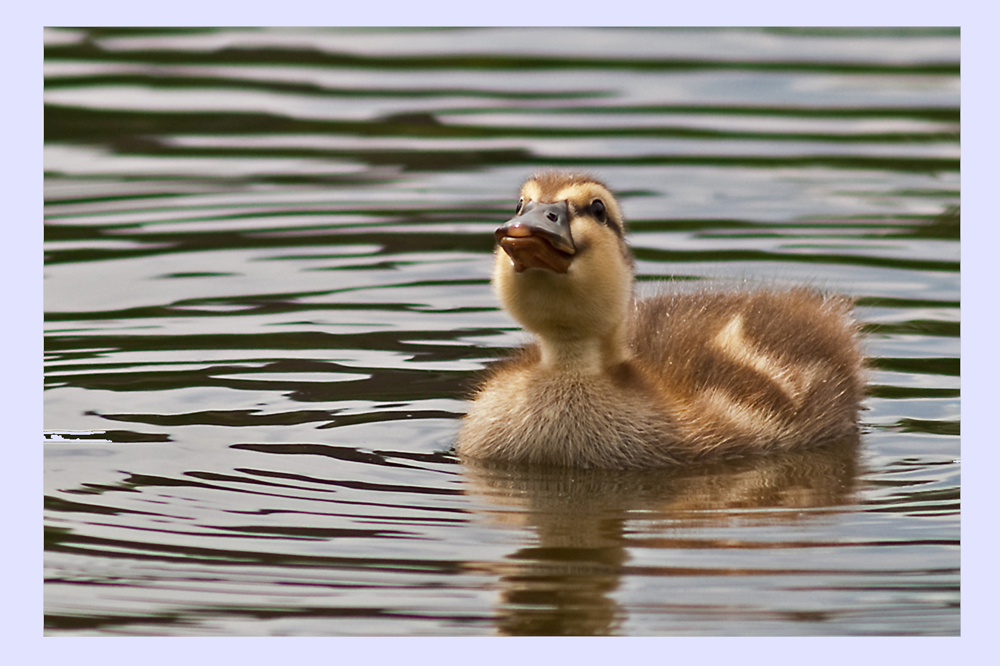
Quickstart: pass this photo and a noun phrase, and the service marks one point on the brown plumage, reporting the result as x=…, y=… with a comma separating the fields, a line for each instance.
x=681, y=377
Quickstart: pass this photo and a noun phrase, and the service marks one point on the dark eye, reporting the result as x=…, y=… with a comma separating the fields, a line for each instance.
x=598, y=210
x=520, y=205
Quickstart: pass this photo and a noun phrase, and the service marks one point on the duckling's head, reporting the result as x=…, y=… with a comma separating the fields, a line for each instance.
x=563, y=268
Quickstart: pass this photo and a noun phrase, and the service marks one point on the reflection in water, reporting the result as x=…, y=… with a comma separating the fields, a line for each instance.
x=562, y=584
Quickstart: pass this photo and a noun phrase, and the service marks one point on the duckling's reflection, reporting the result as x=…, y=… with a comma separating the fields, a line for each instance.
x=562, y=584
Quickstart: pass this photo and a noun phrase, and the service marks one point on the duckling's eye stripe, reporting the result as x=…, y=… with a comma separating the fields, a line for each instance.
x=600, y=215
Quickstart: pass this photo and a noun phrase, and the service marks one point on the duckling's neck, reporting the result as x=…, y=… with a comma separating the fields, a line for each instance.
x=583, y=354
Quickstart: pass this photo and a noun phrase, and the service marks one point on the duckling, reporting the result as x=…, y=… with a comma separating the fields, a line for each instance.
x=682, y=377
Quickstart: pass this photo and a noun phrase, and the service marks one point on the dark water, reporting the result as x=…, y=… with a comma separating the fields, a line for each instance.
x=267, y=257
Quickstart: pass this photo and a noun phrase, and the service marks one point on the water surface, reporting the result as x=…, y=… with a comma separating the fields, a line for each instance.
x=267, y=258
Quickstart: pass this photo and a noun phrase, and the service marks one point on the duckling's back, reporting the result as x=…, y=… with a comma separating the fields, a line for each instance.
x=752, y=371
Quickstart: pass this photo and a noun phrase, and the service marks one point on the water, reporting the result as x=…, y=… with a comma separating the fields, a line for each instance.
x=267, y=259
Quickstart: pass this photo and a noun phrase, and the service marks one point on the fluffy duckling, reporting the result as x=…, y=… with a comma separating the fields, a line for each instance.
x=616, y=382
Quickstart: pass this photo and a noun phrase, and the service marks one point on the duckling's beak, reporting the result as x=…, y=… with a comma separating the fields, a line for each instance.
x=539, y=237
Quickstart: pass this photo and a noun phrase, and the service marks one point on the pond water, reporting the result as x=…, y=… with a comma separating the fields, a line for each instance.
x=266, y=290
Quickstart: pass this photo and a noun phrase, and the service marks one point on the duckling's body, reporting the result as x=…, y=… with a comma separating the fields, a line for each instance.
x=680, y=377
